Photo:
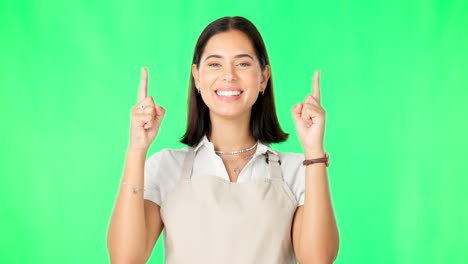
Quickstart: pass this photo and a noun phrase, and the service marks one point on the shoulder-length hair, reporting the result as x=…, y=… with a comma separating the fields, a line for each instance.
x=264, y=124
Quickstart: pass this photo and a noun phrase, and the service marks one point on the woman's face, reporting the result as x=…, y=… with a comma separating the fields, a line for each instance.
x=229, y=77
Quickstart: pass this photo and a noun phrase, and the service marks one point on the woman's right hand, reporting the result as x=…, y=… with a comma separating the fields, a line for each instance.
x=144, y=125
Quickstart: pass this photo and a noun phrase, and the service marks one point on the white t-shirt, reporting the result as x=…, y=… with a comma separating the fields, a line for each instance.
x=164, y=169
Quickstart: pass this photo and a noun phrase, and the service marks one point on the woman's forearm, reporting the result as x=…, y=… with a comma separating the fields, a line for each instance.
x=126, y=239
x=319, y=232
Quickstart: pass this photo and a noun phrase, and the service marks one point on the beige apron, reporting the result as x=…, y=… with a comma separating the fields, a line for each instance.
x=208, y=219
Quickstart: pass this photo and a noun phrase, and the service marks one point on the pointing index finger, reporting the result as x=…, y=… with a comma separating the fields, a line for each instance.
x=316, y=86
x=143, y=85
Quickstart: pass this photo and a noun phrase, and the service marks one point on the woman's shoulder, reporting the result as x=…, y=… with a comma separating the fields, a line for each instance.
x=168, y=154
x=291, y=162
x=162, y=171
x=290, y=155
x=294, y=173
x=290, y=158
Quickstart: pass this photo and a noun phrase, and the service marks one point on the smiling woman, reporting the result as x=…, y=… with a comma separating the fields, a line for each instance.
x=228, y=197
x=230, y=64
x=229, y=74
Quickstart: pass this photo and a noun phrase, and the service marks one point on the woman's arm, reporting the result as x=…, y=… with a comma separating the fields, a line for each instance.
x=315, y=230
x=135, y=223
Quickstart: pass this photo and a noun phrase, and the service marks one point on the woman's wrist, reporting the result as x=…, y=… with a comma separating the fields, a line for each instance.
x=314, y=154
x=137, y=151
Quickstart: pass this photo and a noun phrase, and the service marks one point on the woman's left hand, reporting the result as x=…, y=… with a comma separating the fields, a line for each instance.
x=309, y=118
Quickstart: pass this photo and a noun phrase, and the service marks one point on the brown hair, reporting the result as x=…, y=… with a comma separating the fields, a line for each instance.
x=264, y=124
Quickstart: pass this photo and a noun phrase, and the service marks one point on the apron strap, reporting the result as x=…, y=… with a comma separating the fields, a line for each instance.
x=274, y=163
x=188, y=162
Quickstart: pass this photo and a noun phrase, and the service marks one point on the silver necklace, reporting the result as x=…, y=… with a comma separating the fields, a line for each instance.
x=237, y=170
x=236, y=152
x=244, y=158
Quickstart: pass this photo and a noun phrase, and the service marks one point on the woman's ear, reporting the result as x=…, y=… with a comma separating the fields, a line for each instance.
x=265, y=77
x=195, y=74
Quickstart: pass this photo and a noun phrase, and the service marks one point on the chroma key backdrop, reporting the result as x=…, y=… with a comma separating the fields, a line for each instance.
x=393, y=85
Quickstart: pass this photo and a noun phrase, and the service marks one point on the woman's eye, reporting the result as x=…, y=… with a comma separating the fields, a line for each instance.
x=244, y=64
x=213, y=64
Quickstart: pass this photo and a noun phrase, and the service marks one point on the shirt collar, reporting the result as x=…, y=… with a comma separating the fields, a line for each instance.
x=204, y=143
x=261, y=147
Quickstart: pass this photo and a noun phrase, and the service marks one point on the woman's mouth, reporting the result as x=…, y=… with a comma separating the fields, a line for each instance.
x=228, y=94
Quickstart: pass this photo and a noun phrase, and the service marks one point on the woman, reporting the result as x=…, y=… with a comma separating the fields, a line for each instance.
x=227, y=197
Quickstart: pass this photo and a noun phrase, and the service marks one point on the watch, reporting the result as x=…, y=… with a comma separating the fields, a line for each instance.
x=325, y=160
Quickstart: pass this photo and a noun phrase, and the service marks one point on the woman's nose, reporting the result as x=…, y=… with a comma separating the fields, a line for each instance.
x=228, y=74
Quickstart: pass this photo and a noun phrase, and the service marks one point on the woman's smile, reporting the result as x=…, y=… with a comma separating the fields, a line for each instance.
x=229, y=94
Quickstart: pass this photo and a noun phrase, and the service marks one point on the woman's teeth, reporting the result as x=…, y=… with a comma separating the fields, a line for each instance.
x=228, y=93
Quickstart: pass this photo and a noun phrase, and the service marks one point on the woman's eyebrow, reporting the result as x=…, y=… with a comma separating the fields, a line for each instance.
x=237, y=56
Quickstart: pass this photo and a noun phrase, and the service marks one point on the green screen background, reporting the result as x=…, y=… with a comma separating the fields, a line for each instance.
x=393, y=84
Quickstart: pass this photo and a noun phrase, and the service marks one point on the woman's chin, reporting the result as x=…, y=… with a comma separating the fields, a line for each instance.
x=231, y=113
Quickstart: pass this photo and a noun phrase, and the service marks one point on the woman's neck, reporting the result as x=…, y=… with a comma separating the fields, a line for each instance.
x=231, y=134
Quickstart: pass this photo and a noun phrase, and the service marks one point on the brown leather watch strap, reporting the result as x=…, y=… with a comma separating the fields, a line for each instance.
x=325, y=160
